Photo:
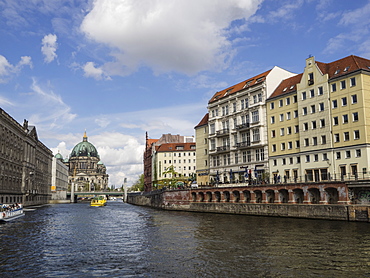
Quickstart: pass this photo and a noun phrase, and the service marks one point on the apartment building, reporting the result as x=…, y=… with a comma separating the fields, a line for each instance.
x=175, y=162
x=238, y=146
x=326, y=137
x=202, y=153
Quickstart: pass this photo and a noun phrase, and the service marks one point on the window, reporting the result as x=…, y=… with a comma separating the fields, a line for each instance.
x=323, y=139
x=306, y=142
x=310, y=78
x=321, y=106
x=273, y=147
x=335, y=121
x=272, y=105
x=348, y=154
x=345, y=119
x=314, y=141
x=295, y=99
x=255, y=116
x=312, y=93
x=272, y=119
x=307, y=158
x=282, y=131
x=346, y=136
x=256, y=135
x=352, y=81
x=283, y=161
x=334, y=103
x=273, y=133
x=297, y=144
x=274, y=162
x=354, y=99
x=336, y=138
x=296, y=129
x=290, y=145
x=255, y=99
x=338, y=155
x=287, y=101
x=322, y=123
x=281, y=117
x=355, y=116
x=305, y=126
x=316, y=157
x=298, y=159
x=290, y=160
x=288, y=115
x=358, y=153
x=324, y=156
x=356, y=134
x=283, y=146
x=320, y=91
x=313, y=124
x=295, y=113
x=289, y=130
x=280, y=103
x=343, y=84
x=234, y=107
x=344, y=101
x=334, y=87
x=304, y=96
x=304, y=110
x=259, y=97
x=313, y=109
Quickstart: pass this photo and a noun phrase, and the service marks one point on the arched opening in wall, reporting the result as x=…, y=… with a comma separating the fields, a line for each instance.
x=283, y=195
x=209, y=196
x=6, y=199
x=226, y=196
x=201, y=197
x=258, y=194
x=194, y=196
x=247, y=196
x=298, y=196
x=314, y=194
x=236, y=196
x=332, y=195
x=218, y=196
x=270, y=196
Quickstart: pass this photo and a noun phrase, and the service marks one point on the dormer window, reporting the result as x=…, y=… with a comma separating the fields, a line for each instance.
x=346, y=69
x=337, y=71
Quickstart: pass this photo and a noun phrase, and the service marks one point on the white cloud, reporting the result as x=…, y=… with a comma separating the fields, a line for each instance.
x=49, y=47
x=7, y=69
x=184, y=36
x=91, y=71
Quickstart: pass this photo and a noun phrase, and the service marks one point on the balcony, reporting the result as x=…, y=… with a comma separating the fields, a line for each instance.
x=242, y=126
x=223, y=132
x=223, y=149
x=244, y=144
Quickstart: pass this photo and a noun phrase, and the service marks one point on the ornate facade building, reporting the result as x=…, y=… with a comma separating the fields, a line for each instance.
x=86, y=171
x=25, y=164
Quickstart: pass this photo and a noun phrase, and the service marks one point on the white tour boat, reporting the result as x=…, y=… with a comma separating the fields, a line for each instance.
x=9, y=212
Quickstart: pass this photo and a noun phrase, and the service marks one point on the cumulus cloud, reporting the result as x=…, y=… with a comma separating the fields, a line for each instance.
x=95, y=72
x=183, y=36
x=49, y=47
x=7, y=69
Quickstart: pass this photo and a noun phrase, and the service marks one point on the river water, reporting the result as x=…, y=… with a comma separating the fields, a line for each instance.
x=121, y=240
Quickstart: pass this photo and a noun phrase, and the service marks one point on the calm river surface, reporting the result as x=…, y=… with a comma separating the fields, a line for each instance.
x=121, y=240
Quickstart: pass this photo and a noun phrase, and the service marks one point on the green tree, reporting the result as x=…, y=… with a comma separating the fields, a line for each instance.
x=138, y=185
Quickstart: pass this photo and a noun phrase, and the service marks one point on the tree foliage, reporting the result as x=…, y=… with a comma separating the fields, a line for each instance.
x=138, y=185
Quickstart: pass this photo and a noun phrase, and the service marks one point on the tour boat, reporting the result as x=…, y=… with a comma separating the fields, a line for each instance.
x=98, y=201
x=9, y=212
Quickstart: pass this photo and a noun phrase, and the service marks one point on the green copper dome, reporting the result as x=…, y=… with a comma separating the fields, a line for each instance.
x=59, y=156
x=84, y=148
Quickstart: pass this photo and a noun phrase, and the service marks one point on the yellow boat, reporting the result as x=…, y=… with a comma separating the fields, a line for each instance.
x=99, y=201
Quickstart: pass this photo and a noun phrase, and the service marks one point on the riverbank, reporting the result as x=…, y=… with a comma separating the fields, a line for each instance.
x=183, y=200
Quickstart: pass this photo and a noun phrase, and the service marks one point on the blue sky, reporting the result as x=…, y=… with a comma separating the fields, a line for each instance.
x=119, y=68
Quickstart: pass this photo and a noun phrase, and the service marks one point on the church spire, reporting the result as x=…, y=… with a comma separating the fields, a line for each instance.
x=85, y=137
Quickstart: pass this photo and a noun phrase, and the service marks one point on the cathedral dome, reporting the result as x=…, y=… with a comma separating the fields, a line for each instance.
x=84, y=148
x=59, y=156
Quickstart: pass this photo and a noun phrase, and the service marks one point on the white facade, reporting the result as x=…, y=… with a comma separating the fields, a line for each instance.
x=59, y=182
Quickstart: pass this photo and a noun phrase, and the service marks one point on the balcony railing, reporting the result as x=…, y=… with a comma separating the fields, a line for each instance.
x=242, y=126
x=223, y=148
x=224, y=131
x=243, y=144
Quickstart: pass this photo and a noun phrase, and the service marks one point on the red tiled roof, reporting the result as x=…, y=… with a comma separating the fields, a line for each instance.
x=151, y=141
x=204, y=121
x=171, y=147
x=344, y=66
x=237, y=87
x=287, y=86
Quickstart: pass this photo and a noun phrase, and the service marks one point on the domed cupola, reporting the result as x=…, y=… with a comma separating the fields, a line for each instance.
x=84, y=148
x=58, y=156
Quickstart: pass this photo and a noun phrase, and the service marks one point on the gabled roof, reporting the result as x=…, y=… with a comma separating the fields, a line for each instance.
x=240, y=86
x=344, y=66
x=173, y=147
x=204, y=121
x=287, y=86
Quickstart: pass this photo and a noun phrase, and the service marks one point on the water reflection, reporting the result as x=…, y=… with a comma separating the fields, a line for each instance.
x=120, y=240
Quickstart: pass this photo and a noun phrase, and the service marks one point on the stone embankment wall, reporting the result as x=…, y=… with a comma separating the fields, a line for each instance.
x=181, y=200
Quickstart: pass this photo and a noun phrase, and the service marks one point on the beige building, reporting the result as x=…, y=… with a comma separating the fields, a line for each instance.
x=321, y=133
x=238, y=150
x=59, y=178
x=202, y=153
